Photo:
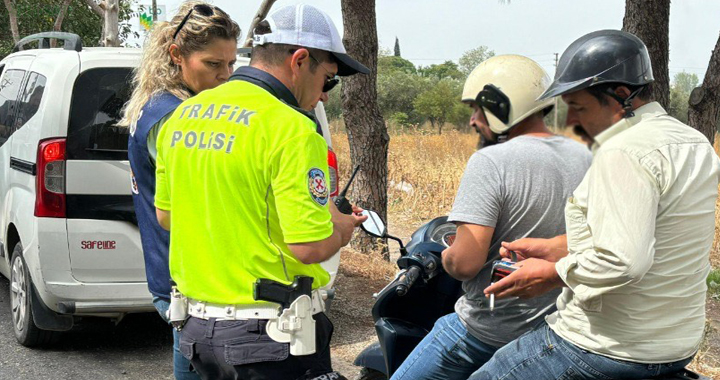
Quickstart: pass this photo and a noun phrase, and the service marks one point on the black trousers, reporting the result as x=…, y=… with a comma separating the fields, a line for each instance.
x=242, y=350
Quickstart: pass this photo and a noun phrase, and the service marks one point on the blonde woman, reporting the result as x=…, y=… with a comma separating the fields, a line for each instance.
x=193, y=52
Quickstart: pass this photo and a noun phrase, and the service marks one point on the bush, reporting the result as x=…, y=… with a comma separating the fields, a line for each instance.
x=713, y=283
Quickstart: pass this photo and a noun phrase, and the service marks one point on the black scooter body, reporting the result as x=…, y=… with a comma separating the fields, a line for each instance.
x=408, y=307
x=402, y=321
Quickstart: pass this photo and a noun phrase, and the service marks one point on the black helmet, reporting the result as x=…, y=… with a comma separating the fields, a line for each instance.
x=605, y=56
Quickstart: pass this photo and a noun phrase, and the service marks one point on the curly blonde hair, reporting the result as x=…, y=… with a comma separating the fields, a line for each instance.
x=157, y=73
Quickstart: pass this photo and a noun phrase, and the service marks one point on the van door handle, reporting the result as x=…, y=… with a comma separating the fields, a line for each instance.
x=23, y=166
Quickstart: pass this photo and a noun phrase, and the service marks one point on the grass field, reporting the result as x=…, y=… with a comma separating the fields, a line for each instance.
x=424, y=171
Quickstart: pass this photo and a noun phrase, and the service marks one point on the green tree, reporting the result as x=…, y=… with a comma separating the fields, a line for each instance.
x=471, y=58
x=685, y=82
x=397, y=47
x=561, y=117
x=460, y=115
x=333, y=107
x=35, y=17
x=397, y=91
x=651, y=24
x=680, y=89
x=447, y=69
x=384, y=51
x=440, y=103
x=392, y=63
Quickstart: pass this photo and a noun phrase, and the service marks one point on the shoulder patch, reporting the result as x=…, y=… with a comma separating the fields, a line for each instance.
x=318, y=186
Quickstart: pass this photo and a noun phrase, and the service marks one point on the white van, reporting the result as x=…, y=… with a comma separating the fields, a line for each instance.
x=69, y=243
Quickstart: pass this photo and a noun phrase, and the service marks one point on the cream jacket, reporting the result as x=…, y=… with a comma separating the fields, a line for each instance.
x=640, y=227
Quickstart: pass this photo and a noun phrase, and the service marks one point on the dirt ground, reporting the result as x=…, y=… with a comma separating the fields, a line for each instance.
x=354, y=329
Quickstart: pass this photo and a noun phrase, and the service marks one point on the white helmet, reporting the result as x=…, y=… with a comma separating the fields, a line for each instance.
x=507, y=86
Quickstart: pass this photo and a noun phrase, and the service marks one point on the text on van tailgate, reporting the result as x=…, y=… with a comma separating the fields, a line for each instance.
x=97, y=244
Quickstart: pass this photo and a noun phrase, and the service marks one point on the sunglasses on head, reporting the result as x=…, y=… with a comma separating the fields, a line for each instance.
x=330, y=83
x=202, y=9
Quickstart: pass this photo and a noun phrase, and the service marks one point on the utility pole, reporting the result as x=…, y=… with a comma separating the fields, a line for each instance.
x=154, y=11
x=555, y=125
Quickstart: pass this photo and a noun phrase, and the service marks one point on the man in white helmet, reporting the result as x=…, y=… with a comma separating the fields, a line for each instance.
x=513, y=187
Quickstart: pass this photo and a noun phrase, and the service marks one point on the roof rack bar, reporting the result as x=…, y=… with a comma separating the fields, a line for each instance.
x=72, y=41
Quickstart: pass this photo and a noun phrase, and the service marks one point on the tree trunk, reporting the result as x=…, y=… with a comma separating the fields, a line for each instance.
x=367, y=133
x=704, y=108
x=99, y=9
x=650, y=21
x=259, y=16
x=59, y=19
x=61, y=15
x=12, y=12
x=154, y=11
x=111, y=33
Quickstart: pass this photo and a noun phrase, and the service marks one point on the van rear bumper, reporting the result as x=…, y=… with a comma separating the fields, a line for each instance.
x=93, y=298
x=52, y=274
x=74, y=307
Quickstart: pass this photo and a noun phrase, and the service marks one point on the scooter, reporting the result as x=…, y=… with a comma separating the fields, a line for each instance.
x=406, y=309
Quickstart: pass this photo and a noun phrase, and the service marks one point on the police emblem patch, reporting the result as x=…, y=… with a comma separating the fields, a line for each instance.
x=317, y=186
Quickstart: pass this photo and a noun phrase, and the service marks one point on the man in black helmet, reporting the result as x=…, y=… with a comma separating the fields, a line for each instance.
x=639, y=230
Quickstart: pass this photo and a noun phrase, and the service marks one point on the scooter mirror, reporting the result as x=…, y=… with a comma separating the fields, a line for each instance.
x=373, y=225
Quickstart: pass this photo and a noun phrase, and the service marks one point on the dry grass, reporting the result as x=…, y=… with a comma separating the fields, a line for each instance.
x=715, y=252
x=372, y=267
x=424, y=172
x=707, y=361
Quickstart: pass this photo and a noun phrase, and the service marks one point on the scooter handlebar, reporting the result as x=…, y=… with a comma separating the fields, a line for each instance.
x=406, y=281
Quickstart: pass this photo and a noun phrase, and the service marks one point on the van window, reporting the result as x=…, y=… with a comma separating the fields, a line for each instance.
x=9, y=89
x=95, y=109
x=30, y=100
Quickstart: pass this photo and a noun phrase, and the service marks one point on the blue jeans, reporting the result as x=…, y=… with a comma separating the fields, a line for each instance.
x=542, y=354
x=448, y=352
x=181, y=366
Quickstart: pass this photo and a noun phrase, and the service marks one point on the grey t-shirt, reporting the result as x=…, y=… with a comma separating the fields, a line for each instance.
x=519, y=188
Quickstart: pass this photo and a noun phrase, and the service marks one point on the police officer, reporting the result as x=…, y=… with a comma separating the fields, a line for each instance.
x=242, y=186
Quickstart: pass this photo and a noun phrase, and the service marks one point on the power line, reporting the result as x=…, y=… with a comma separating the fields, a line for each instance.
x=556, y=98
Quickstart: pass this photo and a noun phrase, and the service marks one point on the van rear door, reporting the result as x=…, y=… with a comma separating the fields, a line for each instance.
x=104, y=241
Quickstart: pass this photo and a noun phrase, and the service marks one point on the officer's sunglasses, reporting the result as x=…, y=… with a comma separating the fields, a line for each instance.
x=330, y=83
x=202, y=9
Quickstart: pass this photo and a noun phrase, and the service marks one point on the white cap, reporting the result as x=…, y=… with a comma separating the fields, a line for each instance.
x=306, y=26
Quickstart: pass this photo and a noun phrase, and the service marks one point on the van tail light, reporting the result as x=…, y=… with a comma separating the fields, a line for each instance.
x=50, y=179
x=333, y=168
